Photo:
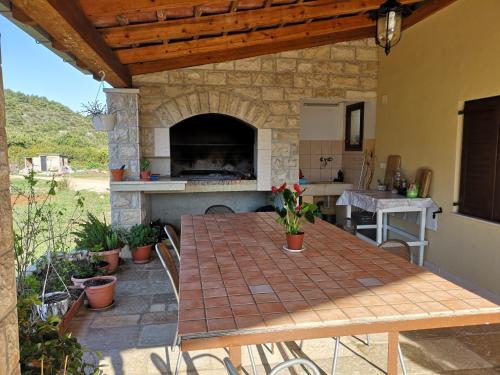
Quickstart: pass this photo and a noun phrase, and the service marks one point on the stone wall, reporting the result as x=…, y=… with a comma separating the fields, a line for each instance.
x=9, y=343
x=274, y=83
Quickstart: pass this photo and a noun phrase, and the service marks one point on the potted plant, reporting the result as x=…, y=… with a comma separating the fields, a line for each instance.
x=100, y=240
x=145, y=172
x=291, y=213
x=100, y=291
x=86, y=269
x=117, y=174
x=103, y=116
x=141, y=238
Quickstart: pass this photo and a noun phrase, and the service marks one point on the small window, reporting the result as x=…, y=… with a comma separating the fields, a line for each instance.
x=355, y=114
x=480, y=169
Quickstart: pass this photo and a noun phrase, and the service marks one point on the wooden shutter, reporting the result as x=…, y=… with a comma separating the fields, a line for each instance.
x=480, y=171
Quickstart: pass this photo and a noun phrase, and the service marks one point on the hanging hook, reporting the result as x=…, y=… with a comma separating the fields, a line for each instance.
x=102, y=74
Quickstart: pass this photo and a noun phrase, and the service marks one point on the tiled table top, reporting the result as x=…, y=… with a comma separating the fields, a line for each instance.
x=235, y=278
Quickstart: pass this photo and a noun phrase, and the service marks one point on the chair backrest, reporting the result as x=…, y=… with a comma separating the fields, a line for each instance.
x=168, y=264
x=218, y=209
x=397, y=247
x=231, y=370
x=174, y=240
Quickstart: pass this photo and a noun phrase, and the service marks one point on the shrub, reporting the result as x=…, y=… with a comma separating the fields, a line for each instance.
x=141, y=235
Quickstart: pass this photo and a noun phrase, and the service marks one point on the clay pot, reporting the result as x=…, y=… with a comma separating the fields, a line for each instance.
x=142, y=254
x=295, y=241
x=117, y=174
x=79, y=282
x=145, y=175
x=100, y=291
x=112, y=257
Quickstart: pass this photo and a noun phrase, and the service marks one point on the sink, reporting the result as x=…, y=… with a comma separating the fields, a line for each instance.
x=325, y=188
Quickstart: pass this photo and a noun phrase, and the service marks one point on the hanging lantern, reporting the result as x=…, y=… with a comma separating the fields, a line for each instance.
x=389, y=20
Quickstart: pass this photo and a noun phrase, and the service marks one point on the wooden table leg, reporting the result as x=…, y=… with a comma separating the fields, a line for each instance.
x=392, y=353
x=235, y=357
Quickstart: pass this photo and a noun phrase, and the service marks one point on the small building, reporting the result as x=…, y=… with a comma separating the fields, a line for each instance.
x=47, y=163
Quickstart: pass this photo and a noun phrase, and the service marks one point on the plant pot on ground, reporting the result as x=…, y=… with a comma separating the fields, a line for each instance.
x=141, y=238
x=117, y=174
x=100, y=291
x=86, y=269
x=145, y=172
x=53, y=304
x=101, y=240
x=291, y=214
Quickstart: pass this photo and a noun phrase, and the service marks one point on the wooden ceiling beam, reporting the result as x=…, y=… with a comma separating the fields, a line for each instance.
x=223, y=23
x=68, y=27
x=245, y=52
x=99, y=8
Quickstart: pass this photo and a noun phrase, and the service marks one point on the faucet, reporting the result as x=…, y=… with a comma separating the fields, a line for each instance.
x=324, y=161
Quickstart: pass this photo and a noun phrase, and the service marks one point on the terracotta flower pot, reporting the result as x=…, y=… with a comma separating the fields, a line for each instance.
x=110, y=256
x=117, y=174
x=295, y=241
x=145, y=175
x=142, y=254
x=100, y=291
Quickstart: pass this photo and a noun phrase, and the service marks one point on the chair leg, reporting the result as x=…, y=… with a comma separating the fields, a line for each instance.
x=252, y=360
x=178, y=364
x=335, y=355
x=401, y=359
x=368, y=340
x=301, y=344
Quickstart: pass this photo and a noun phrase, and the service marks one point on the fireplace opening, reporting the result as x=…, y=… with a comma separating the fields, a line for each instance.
x=212, y=147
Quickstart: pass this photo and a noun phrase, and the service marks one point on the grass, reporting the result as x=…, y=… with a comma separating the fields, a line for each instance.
x=64, y=201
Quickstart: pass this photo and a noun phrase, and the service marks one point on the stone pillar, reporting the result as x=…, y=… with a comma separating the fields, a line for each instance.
x=127, y=208
x=9, y=342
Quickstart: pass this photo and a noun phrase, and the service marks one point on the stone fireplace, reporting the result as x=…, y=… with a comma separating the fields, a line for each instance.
x=164, y=119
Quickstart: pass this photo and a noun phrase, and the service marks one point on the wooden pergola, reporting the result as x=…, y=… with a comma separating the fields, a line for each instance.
x=123, y=38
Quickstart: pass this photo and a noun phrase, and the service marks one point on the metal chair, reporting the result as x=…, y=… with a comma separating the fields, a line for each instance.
x=397, y=247
x=231, y=370
x=168, y=264
x=219, y=209
x=174, y=240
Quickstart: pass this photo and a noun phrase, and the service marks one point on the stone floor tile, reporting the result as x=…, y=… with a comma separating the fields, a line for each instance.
x=111, y=338
x=158, y=307
x=108, y=321
x=125, y=305
x=485, y=345
x=158, y=318
x=157, y=334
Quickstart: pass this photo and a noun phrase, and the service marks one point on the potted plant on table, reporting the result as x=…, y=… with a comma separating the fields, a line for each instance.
x=103, y=116
x=100, y=240
x=141, y=238
x=145, y=172
x=291, y=213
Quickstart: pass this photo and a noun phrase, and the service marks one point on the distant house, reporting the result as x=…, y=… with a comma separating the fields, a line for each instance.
x=47, y=163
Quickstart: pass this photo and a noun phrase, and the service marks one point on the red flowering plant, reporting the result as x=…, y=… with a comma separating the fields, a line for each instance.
x=291, y=212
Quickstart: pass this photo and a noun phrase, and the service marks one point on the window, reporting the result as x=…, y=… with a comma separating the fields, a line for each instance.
x=480, y=169
x=355, y=114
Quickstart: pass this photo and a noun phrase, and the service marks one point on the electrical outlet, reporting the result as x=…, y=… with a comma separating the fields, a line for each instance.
x=383, y=165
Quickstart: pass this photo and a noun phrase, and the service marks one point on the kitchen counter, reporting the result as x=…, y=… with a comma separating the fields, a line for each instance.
x=167, y=185
x=325, y=188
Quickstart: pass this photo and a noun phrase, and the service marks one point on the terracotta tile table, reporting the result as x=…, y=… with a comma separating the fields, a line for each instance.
x=238, y=287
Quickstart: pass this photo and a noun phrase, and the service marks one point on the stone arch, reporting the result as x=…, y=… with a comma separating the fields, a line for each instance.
x=196, y=103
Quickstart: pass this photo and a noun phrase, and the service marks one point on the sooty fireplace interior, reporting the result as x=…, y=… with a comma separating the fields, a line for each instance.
x=212, y=147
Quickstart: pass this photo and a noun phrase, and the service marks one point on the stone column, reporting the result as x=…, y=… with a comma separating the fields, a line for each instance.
x=9, y=342
x=127, y=208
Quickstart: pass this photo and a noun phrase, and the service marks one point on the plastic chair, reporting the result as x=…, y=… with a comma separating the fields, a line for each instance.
x=174, y=240
x=231, y=370
x=218, y=209
x=397, y=247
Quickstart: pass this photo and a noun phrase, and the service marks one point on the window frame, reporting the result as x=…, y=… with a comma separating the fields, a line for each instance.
x=348, y=111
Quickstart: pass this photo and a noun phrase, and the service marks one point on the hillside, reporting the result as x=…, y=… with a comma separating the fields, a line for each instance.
x=36, y=125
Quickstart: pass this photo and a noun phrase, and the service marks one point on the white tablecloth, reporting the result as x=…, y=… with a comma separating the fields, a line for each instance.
x=373, y=200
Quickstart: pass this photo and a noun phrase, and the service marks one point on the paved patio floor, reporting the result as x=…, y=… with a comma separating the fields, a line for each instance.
x=134, y=335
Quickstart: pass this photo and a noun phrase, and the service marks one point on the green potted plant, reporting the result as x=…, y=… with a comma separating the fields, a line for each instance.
x=141, y=238
x=100, y=240
x=291, y=214
x=145, y=172
x=85, y=269
x=103, y=116
x=117, y=174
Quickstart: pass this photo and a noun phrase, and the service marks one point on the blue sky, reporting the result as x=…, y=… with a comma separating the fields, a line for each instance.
x=33, y=69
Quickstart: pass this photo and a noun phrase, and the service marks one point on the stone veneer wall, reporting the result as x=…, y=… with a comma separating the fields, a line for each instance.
x=9, y=342
x=275, y=83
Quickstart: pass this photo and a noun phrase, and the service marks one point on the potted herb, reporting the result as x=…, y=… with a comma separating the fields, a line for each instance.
x=100, y=291
x=100, y=240
x=145, y=172
x=291, y=214
x=117, y=174
x=86, y=269
x=141, y=238
x=103, y=116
